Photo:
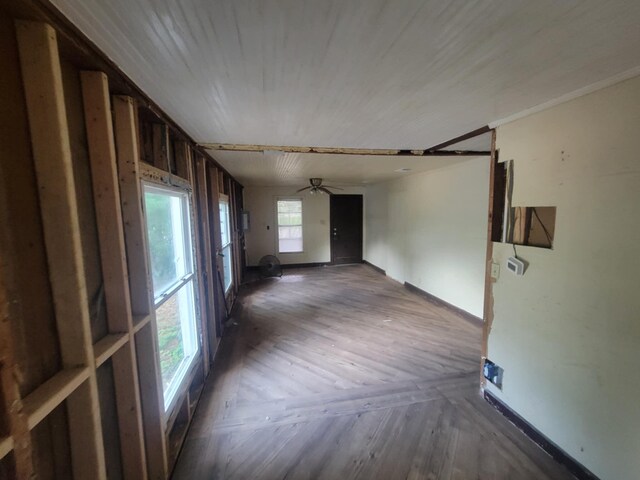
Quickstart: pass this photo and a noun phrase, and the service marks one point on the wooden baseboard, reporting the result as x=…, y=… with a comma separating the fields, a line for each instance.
x=375, y=267
x=477, y=321
x=559, y=455
x=292, y=265
x=305, y=265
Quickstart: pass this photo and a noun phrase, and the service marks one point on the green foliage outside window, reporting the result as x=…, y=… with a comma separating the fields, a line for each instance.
x=160, y=228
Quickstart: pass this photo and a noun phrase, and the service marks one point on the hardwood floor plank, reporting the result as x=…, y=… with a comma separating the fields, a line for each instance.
x=338, y=372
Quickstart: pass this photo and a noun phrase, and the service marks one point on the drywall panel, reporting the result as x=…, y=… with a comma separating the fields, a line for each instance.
x=567, y=333
x=430, y=229
x=261, y=239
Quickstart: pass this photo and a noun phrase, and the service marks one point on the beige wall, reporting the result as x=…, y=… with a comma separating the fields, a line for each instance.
x=260, y=241
x=567, y=333
x=430, y=229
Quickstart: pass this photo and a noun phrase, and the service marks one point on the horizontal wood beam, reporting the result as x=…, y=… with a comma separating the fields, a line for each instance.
x=230, y=147
x=156, y=175
x=6, y=445
x=107, y=346
x=139, y=321
x=475, y=133
x=44, y=399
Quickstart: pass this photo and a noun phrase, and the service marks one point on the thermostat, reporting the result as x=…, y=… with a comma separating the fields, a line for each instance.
x=515, y=265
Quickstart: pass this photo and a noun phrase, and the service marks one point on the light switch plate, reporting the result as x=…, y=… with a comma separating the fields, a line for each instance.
x=495, y=270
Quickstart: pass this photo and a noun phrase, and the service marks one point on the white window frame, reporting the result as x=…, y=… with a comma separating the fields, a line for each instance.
x=277, y=229
x=192, y=340
x=222, y=198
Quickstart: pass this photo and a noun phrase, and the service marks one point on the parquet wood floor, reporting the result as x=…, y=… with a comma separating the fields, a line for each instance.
x=341, y=373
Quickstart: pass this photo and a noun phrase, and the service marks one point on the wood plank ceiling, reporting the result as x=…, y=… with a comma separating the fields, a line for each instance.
x=365, y=74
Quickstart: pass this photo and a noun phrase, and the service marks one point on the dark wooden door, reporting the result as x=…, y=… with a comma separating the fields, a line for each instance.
x=346, y=229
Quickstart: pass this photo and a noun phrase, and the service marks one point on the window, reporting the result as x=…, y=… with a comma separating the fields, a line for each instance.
x=225, y=237
x=169, y=234
x=289, y=226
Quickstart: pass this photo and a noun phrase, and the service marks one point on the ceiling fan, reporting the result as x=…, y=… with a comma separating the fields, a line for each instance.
x=317, y=187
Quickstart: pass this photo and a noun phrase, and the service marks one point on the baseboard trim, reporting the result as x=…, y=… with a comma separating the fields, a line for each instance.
x=253, y=268
x=305, y=265
x=442, y=303
x=559, y=455
x=375, y=267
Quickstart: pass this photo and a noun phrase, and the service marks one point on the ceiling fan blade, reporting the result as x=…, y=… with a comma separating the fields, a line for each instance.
x=324, y=190
x=302, y=189
x=331, y=186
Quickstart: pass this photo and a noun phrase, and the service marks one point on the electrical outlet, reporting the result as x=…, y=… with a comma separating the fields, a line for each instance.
x=493, y=373
x=495, y=270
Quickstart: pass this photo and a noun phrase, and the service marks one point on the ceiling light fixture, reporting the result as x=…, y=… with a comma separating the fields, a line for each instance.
x=316, y=186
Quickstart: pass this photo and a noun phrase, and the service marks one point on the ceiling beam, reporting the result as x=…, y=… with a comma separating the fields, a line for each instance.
x=475, y=133
x=229, y=147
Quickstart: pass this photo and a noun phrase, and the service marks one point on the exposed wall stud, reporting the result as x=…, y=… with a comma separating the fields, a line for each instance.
x=99, y=126
x=208, y=264
x=12, y=415
x=488, y=282
x=40, y=63
x=161, y=155
x=131, y=197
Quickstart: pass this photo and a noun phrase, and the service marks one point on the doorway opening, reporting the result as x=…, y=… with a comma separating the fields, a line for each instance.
x=346, y=229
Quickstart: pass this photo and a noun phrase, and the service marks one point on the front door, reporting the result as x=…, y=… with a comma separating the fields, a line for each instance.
x=346, y=229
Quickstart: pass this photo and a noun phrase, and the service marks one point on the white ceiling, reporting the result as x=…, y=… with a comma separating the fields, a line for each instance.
x=365, y=74
x=273, y=169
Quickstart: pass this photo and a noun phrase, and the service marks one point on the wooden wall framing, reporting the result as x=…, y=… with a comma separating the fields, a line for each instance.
x=119, y=342
x=15, y=437
x=488, y=281
x=128, y=157
x=52, y=158
x=149, y=437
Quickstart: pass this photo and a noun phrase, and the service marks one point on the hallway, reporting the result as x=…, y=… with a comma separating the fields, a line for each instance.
x=339, y=372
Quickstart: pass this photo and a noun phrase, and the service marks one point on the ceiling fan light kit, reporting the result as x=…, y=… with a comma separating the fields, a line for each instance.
x=317, y=187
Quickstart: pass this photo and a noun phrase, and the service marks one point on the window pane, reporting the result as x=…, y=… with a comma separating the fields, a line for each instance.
x=177, y=340
x=290, y=245
x=169, y=248
x=290, y=219
x=225, y=234
x=289, y=206
x=289, y=232
x=289, y=226
x=226, y=264
x=169, y=234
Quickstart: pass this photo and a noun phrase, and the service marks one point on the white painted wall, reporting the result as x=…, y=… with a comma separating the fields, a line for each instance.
x=430, y=229
x=567, y=333
x=260, y=241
